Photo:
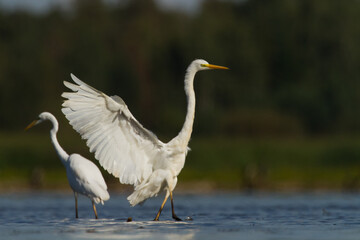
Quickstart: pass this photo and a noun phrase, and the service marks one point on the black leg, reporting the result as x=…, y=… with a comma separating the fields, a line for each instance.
x=76, y=205
x=172, y=208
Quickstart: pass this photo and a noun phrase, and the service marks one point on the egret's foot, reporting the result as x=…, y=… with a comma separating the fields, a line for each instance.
x=176, y=218
x=156, y=219
x=129, y=219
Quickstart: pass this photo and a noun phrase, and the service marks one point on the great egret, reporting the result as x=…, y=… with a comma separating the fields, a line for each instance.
x=123, y=146
x=83, y=175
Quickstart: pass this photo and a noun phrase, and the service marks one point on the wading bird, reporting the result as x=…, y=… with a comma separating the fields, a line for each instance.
x=123, y=146
x=83, y=175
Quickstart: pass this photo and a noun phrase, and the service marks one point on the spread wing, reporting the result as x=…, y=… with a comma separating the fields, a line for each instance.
x=121, y=144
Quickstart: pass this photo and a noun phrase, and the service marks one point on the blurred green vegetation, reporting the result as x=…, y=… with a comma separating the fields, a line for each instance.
x=221, y=163
x=286, y=115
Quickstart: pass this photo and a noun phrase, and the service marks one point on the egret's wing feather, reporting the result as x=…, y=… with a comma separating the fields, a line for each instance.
x=121, y=144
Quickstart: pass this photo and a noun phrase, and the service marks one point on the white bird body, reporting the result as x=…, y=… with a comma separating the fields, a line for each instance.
x=84, y=176
x=123, y=146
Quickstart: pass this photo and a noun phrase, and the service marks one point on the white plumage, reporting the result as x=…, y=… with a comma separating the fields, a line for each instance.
x=123, y=146
x=83, y=175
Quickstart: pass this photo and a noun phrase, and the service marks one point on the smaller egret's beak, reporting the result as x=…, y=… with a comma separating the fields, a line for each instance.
x=215, y=66
x=33, y=123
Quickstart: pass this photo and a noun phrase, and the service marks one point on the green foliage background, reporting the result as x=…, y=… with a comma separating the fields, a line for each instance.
x=285, y=115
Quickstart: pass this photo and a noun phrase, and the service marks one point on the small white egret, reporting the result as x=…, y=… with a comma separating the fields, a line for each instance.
x=123, y=146
x=83, y=175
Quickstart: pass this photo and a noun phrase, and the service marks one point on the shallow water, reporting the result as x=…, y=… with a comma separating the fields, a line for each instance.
x=48, y=215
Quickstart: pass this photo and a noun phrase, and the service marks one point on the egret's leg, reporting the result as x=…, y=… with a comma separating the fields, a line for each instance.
x=76, y=205
x=161, y=208
x=93, y=204
x=172, y=208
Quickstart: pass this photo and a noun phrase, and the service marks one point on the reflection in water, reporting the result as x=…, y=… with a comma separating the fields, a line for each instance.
x=220, y=216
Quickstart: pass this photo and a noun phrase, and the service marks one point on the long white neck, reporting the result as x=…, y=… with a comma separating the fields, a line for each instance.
x=183, y=137
x=59, y=150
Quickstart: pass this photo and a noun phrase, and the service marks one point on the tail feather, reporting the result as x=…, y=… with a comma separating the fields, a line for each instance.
x=142, y=193
x=148, y=189
x=104, y=196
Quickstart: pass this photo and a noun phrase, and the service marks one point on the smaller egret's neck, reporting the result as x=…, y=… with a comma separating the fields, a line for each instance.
x=59, y=150
x=184, y=136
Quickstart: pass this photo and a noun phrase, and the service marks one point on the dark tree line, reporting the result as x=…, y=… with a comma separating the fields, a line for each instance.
x=294, y=64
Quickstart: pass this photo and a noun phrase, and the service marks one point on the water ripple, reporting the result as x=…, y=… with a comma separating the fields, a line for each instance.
x=220, y=216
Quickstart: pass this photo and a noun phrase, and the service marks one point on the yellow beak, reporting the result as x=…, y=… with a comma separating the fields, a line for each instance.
x=33, y=123
x=215, y=66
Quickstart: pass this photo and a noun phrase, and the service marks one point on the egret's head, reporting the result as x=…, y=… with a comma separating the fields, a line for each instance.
x=42, y=117
x=201, y=64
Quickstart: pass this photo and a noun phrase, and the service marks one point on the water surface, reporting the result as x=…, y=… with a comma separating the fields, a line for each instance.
x=48, y=215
